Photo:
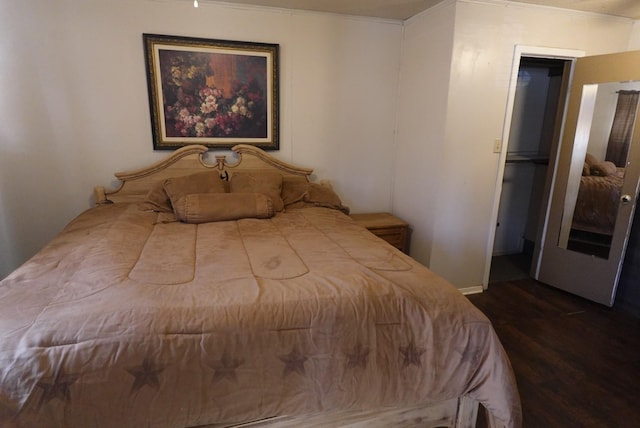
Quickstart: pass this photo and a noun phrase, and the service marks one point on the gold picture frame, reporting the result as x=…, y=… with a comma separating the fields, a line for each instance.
x=216, y=93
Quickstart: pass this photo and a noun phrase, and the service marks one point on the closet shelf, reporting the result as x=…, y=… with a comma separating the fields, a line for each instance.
x=537, y=158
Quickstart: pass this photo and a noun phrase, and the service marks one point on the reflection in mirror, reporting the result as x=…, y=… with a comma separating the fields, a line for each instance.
x=604, y=132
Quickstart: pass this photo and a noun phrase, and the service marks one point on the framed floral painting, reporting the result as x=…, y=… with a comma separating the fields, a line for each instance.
x=217, y=93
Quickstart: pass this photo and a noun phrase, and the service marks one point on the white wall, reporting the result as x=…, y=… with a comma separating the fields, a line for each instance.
x=424, y=79
x=459, y=215
x=529, y=106
x=74, y=101
x=602, y=120
x=515, y=208
x=634, y=40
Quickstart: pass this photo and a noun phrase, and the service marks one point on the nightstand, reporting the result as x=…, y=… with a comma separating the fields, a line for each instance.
x=386, y=226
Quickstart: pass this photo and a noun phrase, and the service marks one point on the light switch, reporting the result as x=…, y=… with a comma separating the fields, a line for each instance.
x=497, y=145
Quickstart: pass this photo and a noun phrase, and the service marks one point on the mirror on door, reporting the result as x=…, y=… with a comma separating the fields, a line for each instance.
x=603, y=135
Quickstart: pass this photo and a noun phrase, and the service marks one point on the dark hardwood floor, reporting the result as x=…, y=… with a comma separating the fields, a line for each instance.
x=577, y=363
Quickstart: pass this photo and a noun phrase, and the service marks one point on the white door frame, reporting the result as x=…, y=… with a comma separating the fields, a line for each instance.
x=519, y=52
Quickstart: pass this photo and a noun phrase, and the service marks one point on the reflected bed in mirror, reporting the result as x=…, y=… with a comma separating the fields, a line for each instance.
x=596, y=207
x=603, y=135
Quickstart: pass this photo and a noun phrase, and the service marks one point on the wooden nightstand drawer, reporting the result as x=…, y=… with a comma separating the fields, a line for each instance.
x=386, y=226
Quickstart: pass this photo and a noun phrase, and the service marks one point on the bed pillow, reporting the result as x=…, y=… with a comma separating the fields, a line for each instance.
x=267, y=183
x=294, y=189
x=314, y=195
x=586, y=170
x=322, y=194
x=201, y=182
x=208, y=207
x=603, y=169
x=157, y=200
x=591, y=160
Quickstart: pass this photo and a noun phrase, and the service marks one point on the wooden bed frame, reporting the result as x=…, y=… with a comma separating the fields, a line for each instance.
x=134, y=185
x=460, y=412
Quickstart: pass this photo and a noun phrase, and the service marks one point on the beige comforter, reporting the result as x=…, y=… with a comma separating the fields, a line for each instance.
x=597, y=203
x=125, y=320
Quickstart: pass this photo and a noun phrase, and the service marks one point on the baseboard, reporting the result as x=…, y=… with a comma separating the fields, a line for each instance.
x=471, y=290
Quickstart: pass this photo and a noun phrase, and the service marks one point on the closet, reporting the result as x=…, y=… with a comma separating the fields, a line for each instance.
x=531, y=139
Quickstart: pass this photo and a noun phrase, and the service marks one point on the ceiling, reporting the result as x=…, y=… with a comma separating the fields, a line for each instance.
x=403, y=9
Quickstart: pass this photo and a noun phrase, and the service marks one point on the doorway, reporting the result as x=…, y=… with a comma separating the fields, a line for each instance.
x=532, y=132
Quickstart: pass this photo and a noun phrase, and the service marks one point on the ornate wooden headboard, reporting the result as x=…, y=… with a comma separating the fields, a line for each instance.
x=134, y=185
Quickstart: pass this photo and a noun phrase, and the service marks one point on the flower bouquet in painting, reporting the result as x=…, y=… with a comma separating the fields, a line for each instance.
x=213, y=95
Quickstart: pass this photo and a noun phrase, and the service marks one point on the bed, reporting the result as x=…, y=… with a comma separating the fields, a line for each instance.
x=598, y=197
x=140, y=314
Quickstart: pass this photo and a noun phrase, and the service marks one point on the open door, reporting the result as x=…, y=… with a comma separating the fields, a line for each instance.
x=595, y=187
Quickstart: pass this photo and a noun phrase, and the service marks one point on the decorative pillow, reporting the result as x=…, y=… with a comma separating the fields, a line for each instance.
x=322, y=194
x=157, y=200
x=267, y=183
x=591, y=160
x=294, y=189
x=201, y=182
x=319, y=195
x=603, y=169
x=206, y=207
